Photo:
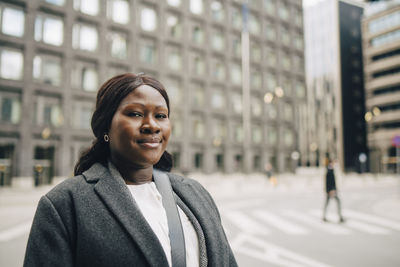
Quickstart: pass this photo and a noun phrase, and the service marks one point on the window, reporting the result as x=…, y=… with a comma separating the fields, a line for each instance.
x=174, y=58
x=285, y=63
x=272, y=136
x=47, y=69
x=174, y=26
x=82, y=114
x=48, y=111
x=270, y=31
x=174, y=89
x=288, y=137
x=198, y=128
x=217, y=40
x=198, y=160
x=12, y=21
x=49, y=29
x=85, y=76
x=218, y=99
x=298, y=63
x=10, y=106
x=90, y=7
x=256, y=134
x=197, y=34
x=118, y=46
x=84, y=37
x=174, y=3
x=255, y=79
x=285, y=36
x=219, y=72
x=269, y=6
x=270, y=82
x=256, y=107
x=238, y=133
x=386, y=38
x=255, y=52
x=270, y=57
x=236, y=74
x=56, y=2
x=254, y=24
x=300, y=90
x=148, y=51
x=236, y=46
x=236, y=18
x=217, y=11
x=288, y=111
x=11, y=63
x=196, y=7
x=271, y=110
x=219, y=130
x=237, y=105
x=148, y=19
x=298, y=19
x=384, y=22
x=118, y=11
x=283, y=11
x=198, y=99
x=198, y=64
x=298, y=42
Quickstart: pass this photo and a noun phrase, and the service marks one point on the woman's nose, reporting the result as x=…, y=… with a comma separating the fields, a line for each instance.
x=149, y=125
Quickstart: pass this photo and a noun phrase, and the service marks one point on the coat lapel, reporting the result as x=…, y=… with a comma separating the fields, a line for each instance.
x=116, y=196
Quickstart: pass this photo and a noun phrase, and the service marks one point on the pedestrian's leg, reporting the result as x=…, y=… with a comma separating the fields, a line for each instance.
x=339, y=209
x=325, y=207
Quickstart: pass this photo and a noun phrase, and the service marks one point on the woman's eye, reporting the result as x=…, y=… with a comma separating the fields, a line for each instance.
x=161, y=116
x=134, y=114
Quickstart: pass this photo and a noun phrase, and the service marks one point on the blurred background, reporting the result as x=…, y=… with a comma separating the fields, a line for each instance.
x=257, y=87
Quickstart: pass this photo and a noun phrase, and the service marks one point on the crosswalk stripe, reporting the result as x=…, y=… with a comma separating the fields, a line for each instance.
x=246, y=224
x=279, y=223
x=14, y=232
x=373, y=219
x=331, y=228
x=358, y=225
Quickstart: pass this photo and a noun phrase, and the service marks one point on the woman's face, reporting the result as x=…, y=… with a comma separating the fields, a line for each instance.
x=140, y=128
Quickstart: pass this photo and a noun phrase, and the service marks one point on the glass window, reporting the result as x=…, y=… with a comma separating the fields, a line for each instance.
x=219, y=130
x=217, y=40
x=217, y=11
x=196, y=6
x=198, y=161
x=198, y=64
x=298, y=42
x=300, y=89
x=283, y=10
x=285, y=63
x=90, y=7
x=386, y=38
x=11, y=64
x=218, y=99
x=270, y=31
x=219, y=72
x=49, y=29
x=174, y=3
x=269, y=6
x=270, y=57
x=237, y=104
x=236, y=46
x=48, y=111
x=10, y=106
x=47, y=69
x=236, y=74
x=236, y=18
x=84, y=37
x=118, y=46
x=174, y=26
x=288, y=137
x=256, y=134
x=272, y=136
x=148, y=19
x=256, y=107
x=56, y=2
x=174, y=89
x=270, y=81
x=255, y=52
x=298, y=63
x=148, y=51
x=177, y=129
x=85, y=76
x=199, y=128
x=174, y=58
x=255, y=79
x=118, y=11
x=12, y=21
x=298, y=19
x=384, y=22
x=254, y=24
x=197, y=34
x=198, y=95
x=285, y=36
x=288, y=112
x=238, y=133
x=82, y=114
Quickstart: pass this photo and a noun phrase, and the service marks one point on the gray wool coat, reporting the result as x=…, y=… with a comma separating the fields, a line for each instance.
x=91, y=220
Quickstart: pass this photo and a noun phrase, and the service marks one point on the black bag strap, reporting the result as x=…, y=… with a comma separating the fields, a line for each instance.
x=176, y=237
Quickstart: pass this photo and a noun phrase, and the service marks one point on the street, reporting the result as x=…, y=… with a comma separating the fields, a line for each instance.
x=269, y=225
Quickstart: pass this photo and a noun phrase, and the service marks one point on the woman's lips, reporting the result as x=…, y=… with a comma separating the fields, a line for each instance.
x=149, y=142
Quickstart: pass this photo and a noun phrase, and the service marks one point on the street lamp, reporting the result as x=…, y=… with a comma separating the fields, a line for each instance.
x=270, y=96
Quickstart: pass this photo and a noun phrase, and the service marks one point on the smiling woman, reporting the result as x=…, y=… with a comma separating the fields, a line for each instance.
x=119, y=210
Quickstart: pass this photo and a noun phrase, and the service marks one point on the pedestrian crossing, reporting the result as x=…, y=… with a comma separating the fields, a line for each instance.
x=261, y=222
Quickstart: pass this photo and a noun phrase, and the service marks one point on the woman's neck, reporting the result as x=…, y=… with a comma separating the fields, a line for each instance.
x=133, y=174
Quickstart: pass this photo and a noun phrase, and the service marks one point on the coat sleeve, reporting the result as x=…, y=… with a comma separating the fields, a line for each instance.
x=48, y=243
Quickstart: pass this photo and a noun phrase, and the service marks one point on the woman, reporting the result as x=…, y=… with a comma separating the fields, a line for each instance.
x=111, y=213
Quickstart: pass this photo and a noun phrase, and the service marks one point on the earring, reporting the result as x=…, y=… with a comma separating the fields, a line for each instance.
x=106, y=138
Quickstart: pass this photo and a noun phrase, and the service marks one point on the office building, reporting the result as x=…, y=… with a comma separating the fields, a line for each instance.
x=54, y=54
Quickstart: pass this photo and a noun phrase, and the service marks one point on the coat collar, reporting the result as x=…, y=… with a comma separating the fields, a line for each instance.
x=116, y=196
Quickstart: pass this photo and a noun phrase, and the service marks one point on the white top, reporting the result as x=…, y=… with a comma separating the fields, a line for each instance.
x=149, y=201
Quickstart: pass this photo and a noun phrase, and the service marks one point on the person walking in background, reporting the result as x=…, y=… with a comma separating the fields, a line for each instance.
x=268, y=173
x=331, y=190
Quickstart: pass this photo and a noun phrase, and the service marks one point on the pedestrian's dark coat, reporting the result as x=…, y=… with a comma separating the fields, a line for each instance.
x=330, y=179
x=91, y=220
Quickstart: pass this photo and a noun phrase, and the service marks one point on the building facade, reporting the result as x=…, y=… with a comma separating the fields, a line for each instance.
x=54, y=54
x=335, y=94
x=381, y=49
